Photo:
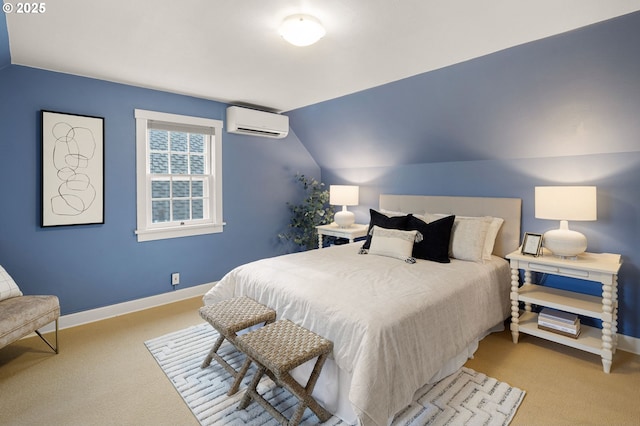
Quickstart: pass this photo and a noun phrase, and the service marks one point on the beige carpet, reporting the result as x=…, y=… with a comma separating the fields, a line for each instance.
x=104, y=375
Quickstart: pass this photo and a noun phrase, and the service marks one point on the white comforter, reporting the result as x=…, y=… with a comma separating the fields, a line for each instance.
x=393, y=324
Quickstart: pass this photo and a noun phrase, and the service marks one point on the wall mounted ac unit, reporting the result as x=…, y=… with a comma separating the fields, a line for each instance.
x=247, y=121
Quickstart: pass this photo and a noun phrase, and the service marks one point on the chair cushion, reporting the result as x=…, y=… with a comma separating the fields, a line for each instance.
x=20, y=316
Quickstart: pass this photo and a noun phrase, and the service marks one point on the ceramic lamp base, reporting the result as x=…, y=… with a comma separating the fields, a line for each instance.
x=564, y=242
x=344, y=218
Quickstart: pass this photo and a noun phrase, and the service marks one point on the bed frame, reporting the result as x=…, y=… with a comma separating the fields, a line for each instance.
x=509, y=209
x=334, y=384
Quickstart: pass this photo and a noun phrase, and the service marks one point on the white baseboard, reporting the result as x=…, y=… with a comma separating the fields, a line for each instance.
x=92, y=315
x=629, y=344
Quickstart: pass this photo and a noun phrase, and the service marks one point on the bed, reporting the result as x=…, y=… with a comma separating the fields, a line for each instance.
x=396, y=325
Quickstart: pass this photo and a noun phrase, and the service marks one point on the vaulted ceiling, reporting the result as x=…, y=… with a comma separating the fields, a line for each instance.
x=230, y=51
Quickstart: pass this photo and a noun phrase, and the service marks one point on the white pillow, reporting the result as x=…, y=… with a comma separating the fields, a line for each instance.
x=8, y=287
x=392, y=243
x=468, y=236
x=492, y=233
x=489, y=239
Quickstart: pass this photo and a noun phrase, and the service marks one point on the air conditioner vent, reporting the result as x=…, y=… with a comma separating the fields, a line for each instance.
x=253, y=122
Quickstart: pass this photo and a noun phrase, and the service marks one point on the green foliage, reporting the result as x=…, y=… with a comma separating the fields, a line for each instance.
x=313, y=211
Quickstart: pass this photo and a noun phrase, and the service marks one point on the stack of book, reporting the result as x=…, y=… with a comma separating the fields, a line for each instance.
x=559, y=322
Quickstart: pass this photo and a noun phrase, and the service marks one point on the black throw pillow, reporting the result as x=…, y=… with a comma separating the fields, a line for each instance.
x=384, y=221
x=435, y=238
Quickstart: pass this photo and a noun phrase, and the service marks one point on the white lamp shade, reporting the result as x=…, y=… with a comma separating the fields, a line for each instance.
x=344, y=195
x=301, y=30
x=565, y=203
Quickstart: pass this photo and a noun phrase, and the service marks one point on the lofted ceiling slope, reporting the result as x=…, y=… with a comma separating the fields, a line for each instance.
x=230, y=51
x=576, y=93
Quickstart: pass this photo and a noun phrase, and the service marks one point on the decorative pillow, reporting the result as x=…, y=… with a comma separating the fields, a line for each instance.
x=436, y=237
x=384, y=221
x=393, y=243
x=8, y=287
x=468, y=236
x=490, y=239
x=492, y=233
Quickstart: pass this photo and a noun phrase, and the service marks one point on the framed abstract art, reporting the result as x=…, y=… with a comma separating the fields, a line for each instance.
x=72, y=169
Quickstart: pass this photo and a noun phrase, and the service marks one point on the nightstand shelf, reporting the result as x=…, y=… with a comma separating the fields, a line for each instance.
x=578, y=303
x=599, y=268
x=590, y=339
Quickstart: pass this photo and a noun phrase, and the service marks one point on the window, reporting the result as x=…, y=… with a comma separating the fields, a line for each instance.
x=179, y=175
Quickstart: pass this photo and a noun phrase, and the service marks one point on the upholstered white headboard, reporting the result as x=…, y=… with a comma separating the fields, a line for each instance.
x=509, y=209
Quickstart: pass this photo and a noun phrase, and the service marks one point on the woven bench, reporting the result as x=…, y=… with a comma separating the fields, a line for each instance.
x=229, y=317
x=278, y=348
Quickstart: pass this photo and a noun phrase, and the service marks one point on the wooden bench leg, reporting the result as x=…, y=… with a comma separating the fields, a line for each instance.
x=239, y=376
x=212, y=352
x=246, y=399
x=304, y=394
x=252, y=393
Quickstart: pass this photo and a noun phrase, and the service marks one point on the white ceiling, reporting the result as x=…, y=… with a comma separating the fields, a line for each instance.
x=229, y=50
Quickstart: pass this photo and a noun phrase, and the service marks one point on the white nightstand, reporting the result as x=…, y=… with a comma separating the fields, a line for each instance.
x=354, y=231
x=601, y=268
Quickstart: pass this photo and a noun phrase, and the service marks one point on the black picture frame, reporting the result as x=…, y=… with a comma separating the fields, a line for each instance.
x=72, y=167
x=532, y=244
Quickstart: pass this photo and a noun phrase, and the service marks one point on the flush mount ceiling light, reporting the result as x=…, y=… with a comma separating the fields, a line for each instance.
x=301, y=30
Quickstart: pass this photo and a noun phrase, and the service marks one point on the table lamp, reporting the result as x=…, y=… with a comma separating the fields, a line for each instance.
x=565, y=203
x=344, y=195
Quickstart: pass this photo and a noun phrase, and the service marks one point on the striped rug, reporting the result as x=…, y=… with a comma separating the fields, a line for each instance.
x=464, y=398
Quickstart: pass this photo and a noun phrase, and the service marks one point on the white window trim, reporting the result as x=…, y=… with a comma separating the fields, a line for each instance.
x=149, y=232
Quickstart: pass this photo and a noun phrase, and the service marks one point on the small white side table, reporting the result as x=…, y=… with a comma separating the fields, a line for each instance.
x=354, y=231
x=599, y=268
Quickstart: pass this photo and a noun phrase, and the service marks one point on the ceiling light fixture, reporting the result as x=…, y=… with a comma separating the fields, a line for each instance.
x=301, y=30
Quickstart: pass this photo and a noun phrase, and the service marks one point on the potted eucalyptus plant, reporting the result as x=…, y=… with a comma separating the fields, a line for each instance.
x=314, y=210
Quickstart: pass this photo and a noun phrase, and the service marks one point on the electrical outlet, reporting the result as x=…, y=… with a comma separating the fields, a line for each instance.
x=175, y=278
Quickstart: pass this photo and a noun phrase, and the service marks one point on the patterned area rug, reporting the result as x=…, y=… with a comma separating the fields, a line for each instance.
x=464, y=398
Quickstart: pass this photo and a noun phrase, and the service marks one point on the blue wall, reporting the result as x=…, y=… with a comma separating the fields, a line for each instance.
x=5, y=52
x=99, y=265
x=563, y=110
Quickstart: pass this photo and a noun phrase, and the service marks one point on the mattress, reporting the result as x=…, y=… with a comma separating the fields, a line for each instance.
x=394, y=324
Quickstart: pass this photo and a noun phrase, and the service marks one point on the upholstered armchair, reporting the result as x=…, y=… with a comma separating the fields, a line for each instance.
x=21, y=315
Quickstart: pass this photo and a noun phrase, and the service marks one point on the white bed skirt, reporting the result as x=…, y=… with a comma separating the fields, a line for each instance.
x=332, y=388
